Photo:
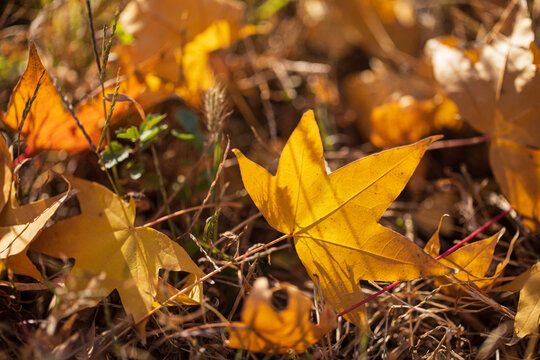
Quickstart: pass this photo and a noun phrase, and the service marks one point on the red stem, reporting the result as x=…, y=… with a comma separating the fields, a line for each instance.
x=25, y=155
x=446, y=253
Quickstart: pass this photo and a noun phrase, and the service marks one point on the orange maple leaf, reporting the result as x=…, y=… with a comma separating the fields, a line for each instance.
x=263, y=329
x=48, y=125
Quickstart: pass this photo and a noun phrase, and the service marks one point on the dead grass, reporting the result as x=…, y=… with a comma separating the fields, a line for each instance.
x=267, y=80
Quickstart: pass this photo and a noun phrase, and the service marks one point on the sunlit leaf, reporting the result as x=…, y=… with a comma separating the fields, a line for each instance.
x=334, y=217
x=471, y=260
x=20, y=225
x=497, y=93
x=103, y=239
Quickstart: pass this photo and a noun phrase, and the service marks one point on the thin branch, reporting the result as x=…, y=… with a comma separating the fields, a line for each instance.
x=184, y=211
x=447, y=144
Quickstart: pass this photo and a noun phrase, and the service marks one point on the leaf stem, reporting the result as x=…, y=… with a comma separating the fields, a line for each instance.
x=162, y=188
x=26, y=110
x=94, y=45
x=446, y=253
x=184, y=211
x=474, y=233
x=446, y=144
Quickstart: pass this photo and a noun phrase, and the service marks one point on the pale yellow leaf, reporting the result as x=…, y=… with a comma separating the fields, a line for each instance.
x=103, y=239
x=188, y=31
x=497, y=93
x=528, y=313
x=20, y=225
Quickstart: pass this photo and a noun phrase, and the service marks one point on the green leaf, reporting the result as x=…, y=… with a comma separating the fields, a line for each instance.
x=114, y=154
x=183, y=136
x=131, y=133
x=269, y=8
x=150, y=135
x=149, y=130
x=151, y=121
x=125, y=37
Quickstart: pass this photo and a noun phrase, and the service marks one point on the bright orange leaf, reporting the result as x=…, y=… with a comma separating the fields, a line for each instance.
x=49, y=125
x=396, y=108
x=263, y=329
x=400, y=121
x=333, y=217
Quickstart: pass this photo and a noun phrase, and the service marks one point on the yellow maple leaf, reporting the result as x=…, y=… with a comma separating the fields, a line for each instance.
x=263, y=329
x=528, y=313
x=103, y=239
x=188, y=31
x=497, y=93
x=472, y=260
x=20, y=225
x=333, y=217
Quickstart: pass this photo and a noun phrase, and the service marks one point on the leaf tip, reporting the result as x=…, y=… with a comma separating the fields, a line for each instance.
x=32, y=51
x=434, y=138
x=237, y=153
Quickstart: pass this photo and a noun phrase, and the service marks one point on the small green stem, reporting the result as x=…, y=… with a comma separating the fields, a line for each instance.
x=162, y=189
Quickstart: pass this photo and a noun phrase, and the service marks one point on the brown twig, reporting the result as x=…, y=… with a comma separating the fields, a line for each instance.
x=184, y=211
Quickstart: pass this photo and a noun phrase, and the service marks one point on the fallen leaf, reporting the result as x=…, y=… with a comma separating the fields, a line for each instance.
x=497, y=93
x=472, y=260
x=396, y=108
x=333, y=217
x=6, y=172
x=188, y=32
x=263, y=329
x=413, y=124
x=103, y=239
x=20, y=225
x=517, y=170
x=528, y=312
x=49, y=125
